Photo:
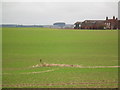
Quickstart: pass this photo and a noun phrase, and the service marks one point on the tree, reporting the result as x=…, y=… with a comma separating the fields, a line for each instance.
x=77, y=25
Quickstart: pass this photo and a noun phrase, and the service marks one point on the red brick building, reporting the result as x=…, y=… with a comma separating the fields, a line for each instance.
x=113, y=23
x=93, y=24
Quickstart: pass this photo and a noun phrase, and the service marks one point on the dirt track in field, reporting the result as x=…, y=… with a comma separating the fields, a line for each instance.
x=58, y=84
x=31, y=72
x=59, y=65
x=67, y=65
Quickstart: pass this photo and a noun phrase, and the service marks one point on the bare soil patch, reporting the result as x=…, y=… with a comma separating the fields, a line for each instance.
x=68, y=65
x=59, y=65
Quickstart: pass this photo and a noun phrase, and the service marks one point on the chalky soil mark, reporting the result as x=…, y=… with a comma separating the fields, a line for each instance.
x=68, y=65
x=59, y=65
x=31, y=72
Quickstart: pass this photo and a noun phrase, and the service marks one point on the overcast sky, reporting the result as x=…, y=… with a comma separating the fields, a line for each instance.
x=51, y=12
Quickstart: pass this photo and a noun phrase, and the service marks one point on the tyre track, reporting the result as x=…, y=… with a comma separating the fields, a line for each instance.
x=57, y=84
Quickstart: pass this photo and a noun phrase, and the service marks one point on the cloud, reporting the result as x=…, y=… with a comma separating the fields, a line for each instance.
x=50, y=12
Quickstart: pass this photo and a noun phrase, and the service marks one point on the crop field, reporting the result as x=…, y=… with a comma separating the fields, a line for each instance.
x=58, y=58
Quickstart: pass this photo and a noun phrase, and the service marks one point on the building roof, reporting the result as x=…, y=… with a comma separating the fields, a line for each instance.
x=93, y=21
x=78, y=22
x=59, y=23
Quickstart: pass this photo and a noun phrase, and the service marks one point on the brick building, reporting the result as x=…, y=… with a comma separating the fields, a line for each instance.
x=113, y=23
x=93, y=24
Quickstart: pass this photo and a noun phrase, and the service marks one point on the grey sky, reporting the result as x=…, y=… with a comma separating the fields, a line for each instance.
x=50, y=12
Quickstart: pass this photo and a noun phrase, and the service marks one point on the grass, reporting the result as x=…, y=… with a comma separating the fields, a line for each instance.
x=24, y=47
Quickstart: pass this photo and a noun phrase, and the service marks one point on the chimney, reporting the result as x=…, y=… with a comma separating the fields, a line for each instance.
x=106, y=18
x=113, y=17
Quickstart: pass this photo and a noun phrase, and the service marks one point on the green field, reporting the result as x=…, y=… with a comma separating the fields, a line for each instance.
x=24, y=47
